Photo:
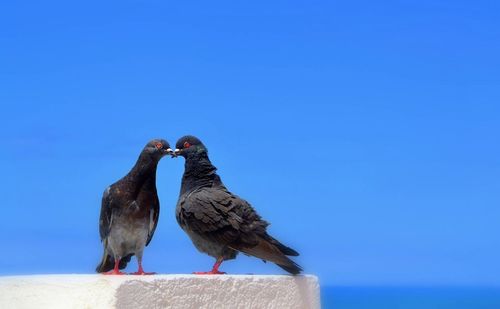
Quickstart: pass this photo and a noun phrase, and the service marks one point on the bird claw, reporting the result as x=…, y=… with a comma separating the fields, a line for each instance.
x=143, y=273
x=209, y=272
x=112, y=272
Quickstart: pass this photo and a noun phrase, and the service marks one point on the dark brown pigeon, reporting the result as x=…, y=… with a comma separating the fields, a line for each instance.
x=130, y=210
x=218, y=222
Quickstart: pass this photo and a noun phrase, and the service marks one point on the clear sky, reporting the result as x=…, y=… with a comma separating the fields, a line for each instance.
x=366, y=132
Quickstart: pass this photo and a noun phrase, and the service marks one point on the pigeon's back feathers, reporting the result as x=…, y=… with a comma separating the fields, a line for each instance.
x=221, y=217
x=216, y=214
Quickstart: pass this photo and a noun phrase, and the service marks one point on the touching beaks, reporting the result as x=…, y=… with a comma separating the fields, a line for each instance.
x=176, y=152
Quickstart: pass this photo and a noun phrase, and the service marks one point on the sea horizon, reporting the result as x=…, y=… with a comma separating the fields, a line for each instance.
x=409, y=297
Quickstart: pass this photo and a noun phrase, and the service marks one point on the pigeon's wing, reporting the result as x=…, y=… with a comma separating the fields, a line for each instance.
x=106, y=214
x=219, y=216
x=153, y=222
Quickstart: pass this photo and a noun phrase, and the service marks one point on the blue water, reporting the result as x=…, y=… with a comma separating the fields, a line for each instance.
x=410, y=298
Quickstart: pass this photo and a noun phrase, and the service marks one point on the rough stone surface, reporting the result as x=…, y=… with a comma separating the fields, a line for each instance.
x=159, y=291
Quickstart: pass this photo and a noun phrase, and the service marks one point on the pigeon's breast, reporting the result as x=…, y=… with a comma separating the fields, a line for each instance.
x=203, y=245
x=128, y=234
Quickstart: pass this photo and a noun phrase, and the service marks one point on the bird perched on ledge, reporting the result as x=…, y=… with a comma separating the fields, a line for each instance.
x=218, y=222
x=130, y=210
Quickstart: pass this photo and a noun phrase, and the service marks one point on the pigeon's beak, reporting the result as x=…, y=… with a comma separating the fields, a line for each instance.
x=169, y=151
x=176, y=152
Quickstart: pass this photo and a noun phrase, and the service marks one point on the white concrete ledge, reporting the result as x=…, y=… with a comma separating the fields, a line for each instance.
x=159, y=291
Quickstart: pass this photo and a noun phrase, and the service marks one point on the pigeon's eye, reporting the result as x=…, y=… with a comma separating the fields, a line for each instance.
x=158, y=145
x=187, y=145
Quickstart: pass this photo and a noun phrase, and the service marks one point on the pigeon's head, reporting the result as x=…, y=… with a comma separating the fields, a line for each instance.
x=158, y=148
x=188, y=145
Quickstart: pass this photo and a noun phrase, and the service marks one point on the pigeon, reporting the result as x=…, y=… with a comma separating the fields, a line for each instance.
x=218, y=222
x=130, y=210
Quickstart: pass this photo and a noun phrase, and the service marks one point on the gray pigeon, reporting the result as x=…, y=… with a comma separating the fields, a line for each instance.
x=218, y=222
x=130, y=210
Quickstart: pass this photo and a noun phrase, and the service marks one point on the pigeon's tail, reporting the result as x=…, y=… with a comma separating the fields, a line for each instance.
x=292, y=268
x=273, y=251
x=108, y=263
x=284, y=249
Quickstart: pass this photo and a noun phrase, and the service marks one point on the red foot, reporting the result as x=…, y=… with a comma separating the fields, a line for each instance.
x=212, y=272
x=113, y=272
x=143, y=273
x=215, y=269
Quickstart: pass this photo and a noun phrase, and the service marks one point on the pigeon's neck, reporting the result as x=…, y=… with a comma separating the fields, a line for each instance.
x=144, y=171
x=198, y=172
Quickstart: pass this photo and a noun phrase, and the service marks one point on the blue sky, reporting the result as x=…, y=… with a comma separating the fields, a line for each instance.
x=366, y=133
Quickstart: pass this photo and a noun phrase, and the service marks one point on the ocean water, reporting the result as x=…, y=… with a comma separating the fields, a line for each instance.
x=410, y=297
